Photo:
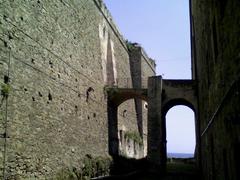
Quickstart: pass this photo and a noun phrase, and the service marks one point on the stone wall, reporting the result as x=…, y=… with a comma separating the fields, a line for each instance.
x=141, y=67
x=215, y=50
x=55, y=59
x=147, y=70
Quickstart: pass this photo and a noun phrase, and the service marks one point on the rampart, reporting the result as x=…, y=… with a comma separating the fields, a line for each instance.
x=56, y=57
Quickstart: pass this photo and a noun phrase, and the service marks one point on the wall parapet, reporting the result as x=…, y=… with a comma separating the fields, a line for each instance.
x=135, y=47
x=150, y=62
x=108, y=17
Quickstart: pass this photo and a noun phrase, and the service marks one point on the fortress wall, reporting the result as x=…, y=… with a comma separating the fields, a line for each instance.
x=126, y=121
x=55, y=54
x=148, y=69
x=142, y=67
x=215, y=48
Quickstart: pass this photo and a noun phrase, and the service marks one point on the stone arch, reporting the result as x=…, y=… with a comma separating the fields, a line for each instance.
x=164, y=94
x=120, y=95
x=117, y=96
x=174, y=102
x=190, y=102
x=177, y=92
x=167, y=106
x=180, y=129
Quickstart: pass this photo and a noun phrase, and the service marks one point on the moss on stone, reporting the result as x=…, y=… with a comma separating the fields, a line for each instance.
x=5, y=90
x=133, y=135
x=66, y=174
x=96, y=166
x=130, y=45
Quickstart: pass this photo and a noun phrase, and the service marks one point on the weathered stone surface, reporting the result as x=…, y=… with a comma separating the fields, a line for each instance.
x=56, y=55
x=216, y=67
x=141, y=67
x=155, y=123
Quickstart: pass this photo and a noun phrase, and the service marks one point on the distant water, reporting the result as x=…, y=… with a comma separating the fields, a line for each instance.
x=179, y=155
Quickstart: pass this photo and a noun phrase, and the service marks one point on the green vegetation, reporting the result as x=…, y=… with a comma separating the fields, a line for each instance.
x=1, y=115
x=133, y=135
x=130, y=45
x=66, y=174
x=97, y=166
x=181, y=167
x=91, y=167
x=5, y=90
x=110, y=90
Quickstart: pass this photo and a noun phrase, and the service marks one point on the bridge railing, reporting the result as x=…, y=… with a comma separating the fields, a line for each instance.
x=138, y=83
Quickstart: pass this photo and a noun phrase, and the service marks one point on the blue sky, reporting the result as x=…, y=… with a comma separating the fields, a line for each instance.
x=162, y=27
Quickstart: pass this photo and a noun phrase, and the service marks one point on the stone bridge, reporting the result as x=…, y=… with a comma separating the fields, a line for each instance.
x=161, y=95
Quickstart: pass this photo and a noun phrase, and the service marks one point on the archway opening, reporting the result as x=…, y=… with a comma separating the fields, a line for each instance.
x=132, y=128
x=180, y=132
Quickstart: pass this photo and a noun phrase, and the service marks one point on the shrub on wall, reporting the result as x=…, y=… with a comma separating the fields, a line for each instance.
x=5, y=89
x=135, y=136
x=91, y=167
x=130, y=45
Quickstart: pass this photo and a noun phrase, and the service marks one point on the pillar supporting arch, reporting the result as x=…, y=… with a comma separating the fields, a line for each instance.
x=163, y=95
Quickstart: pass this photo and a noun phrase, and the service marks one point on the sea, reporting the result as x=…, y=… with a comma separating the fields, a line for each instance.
x=179, y=155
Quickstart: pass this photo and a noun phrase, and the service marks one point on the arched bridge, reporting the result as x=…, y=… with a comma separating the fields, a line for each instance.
x=119, y=95
x=161, y=95
x=178, y=92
